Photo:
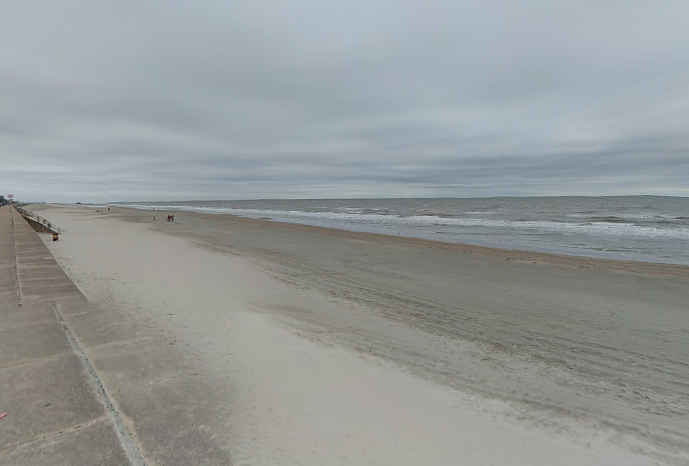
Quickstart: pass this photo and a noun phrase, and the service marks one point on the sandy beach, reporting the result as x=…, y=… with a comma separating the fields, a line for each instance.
x=352, y=348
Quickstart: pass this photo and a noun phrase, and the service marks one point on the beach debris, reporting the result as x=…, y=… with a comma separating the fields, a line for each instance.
x=3, y=415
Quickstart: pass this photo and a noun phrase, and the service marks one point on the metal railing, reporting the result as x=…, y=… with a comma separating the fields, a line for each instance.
x=27, y=214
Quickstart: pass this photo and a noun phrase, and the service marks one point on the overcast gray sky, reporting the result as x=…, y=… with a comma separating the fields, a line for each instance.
x=164, y=100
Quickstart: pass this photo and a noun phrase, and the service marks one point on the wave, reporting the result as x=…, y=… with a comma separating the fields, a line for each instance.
x=612, y=219
x=589, y=228
x=632, y=218
x=610, y=226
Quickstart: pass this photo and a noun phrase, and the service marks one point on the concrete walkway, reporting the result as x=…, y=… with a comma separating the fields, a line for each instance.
x=81, y=385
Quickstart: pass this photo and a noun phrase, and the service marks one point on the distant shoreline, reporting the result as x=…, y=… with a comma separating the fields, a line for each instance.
x=579, y=261
x=633, y=228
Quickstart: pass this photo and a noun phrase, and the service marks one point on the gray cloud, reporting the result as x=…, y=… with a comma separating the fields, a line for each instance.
x=263, y=98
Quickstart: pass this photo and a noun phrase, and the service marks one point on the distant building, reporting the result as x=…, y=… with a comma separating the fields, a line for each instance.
x=3, y=201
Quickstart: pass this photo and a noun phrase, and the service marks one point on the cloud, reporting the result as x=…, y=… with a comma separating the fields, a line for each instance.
x=264, y=98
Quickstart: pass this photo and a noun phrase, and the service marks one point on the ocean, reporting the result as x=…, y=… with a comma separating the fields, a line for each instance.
x=645, y=228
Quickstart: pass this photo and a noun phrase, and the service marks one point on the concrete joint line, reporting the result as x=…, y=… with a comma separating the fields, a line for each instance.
x=34, y=362
x=53, y=435
x=129, y=447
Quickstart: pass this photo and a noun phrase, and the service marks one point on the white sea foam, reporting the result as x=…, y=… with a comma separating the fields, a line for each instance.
x=591, y=228
x=646, y=229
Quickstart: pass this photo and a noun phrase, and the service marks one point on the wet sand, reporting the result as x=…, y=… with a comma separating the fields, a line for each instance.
x=347, y=347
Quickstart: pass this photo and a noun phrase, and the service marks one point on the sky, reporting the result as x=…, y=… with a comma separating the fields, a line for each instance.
x=226, y=99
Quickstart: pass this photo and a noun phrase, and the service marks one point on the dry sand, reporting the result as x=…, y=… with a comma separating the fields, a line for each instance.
x=346, y=348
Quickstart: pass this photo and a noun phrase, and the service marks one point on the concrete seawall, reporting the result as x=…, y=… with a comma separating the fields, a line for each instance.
x=38, y=223
x=81, y=385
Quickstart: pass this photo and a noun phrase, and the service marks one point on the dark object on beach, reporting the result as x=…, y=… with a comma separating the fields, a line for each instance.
x=55, y=237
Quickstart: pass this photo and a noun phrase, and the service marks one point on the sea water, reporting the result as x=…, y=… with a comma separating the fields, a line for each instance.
x=646, y=228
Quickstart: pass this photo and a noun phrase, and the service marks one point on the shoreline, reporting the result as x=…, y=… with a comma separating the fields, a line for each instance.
x=569, y=350
x=578, y=261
